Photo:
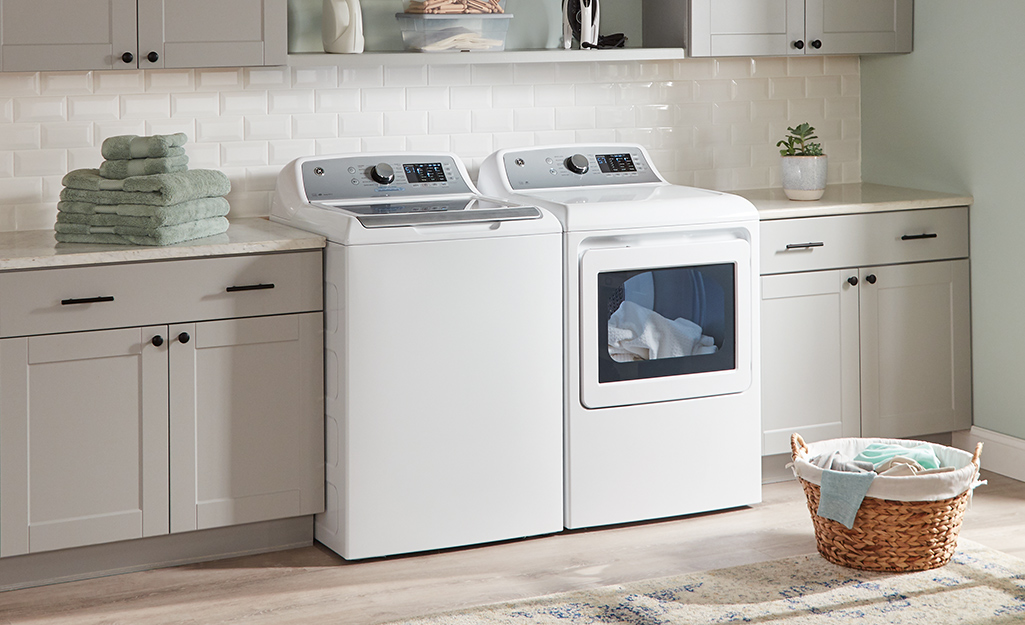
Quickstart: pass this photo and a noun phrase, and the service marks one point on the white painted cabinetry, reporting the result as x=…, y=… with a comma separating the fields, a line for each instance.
x=41, y=35
x=865, y=326
x=210, y=414
x=780, y=27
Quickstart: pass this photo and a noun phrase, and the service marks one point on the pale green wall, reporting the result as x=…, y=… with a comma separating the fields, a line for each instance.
x=951, y=117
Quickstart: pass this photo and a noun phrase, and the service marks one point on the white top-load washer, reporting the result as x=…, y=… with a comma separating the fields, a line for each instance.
x=443, y=353
x=662, y=414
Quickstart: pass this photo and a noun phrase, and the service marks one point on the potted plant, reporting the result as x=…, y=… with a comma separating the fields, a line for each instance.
x=803, y=164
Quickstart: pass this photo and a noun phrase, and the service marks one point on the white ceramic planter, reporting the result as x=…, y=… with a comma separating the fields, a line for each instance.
x=804, y=177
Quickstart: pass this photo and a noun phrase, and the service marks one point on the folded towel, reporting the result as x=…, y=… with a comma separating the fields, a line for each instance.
x=123, y=168
x=838, y=462
x=125, y=235
x=141, y=216
x=134, y=146
x=841, y=494
x=86, y=185
x=878, y=453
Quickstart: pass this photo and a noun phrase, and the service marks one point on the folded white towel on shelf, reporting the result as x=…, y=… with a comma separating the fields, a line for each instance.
x=639, y=333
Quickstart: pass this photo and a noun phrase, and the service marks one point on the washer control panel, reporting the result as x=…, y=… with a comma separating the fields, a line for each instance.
x=373, y=176
x=577, y=166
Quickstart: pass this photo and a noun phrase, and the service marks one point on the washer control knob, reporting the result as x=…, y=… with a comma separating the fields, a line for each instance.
x=577, y=164
x=382, y=173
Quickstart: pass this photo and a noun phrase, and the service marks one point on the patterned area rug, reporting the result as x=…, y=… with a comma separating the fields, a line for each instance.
x=979, y=585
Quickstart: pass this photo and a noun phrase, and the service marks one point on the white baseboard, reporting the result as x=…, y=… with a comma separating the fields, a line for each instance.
x=1001, y=453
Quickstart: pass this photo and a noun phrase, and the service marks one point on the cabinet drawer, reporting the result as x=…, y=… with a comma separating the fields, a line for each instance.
x=813, y=243
x=46, y=301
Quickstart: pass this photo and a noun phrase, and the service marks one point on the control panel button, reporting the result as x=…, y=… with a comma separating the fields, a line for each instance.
x=577, y=164
x=382, y=173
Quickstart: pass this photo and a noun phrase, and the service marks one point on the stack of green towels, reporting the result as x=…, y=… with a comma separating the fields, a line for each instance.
x=142, y=194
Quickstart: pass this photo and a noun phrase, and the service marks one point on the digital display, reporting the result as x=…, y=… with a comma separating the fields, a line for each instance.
x=425, y=172
x=615, y=163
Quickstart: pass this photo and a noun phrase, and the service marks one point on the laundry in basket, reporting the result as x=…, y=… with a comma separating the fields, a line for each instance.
x=903, y=523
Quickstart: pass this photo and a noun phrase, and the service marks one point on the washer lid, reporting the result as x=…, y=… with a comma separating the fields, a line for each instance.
x=462, y=209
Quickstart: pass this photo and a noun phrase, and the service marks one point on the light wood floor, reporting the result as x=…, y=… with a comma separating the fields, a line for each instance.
x=312, y=585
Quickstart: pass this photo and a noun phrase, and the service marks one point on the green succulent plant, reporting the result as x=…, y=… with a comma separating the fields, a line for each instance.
x=797, y=143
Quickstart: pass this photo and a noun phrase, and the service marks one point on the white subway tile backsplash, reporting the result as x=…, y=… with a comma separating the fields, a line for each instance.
x=65, y=135
x=385, y=99
x=224, y=128
x=314, y=126
x=711, y=122
x=292, y=101
x=467, y=97
x=449, y=122
x=65, y=83
x=195, y=105
x=145, y=106
x=336, y=100
x=427, y=98
x=40, y=109
x=170, y=80
x=93, y=108
x=405, y=123
x=40, y=162
x=20, y=136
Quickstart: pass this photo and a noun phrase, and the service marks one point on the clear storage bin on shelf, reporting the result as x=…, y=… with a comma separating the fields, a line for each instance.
x=474, y=32
x=448, y=7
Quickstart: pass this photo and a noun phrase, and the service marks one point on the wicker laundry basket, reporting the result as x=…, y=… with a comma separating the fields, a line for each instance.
x=889, y=535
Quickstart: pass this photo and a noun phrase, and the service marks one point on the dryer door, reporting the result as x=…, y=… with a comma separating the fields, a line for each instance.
x=665, y=322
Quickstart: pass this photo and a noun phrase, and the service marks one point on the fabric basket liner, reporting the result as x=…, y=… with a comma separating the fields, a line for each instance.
x=929, y=487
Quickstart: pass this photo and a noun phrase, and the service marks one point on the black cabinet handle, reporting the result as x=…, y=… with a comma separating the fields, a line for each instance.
x=157, y=340
x=871, y=278
x=799, y=44
x=816, y=44
x=153, y=57
x=853, y=281
x=801, y=246
x=914, y=237
x=87, y=300
x=184, y=337
x=127, y=57
x=249, y=287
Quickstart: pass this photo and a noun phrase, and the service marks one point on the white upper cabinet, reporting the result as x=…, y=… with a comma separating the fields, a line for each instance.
x=42, y=35
x=781, y=27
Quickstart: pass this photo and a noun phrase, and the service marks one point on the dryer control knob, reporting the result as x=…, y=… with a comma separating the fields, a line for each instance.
x=382, y=173
x=577, y=164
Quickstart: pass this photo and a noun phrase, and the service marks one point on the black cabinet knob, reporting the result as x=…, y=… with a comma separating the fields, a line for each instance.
x=816, y=44
x=871, y=278
x=184, y=337
x=799, y=44
x=127, y=57
x=157, y=341
x=153, y=57
x=853, y=281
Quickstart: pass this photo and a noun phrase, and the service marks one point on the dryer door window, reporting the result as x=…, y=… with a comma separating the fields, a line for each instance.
x=666, y=322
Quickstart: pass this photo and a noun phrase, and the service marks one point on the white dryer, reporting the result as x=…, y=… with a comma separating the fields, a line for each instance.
x=443, y=354
x=662, y=414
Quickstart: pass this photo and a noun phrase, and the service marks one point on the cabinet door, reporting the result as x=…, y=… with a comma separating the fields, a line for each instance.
x=212, y=33
x=38, y=35
x=859, y=26
x=247, y=420
x=809, y=358
x=83, y=439
x=915, y=349
x=744, y=27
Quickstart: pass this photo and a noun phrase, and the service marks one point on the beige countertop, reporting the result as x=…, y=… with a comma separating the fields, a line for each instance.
x=37, y=249
x=843, y=199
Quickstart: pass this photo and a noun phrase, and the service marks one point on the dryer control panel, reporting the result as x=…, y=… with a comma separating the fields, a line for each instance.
x=577, y=166
x=370, y=176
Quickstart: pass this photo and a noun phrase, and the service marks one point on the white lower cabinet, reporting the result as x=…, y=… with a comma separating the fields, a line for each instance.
x=873, y=350
x=116, y=434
